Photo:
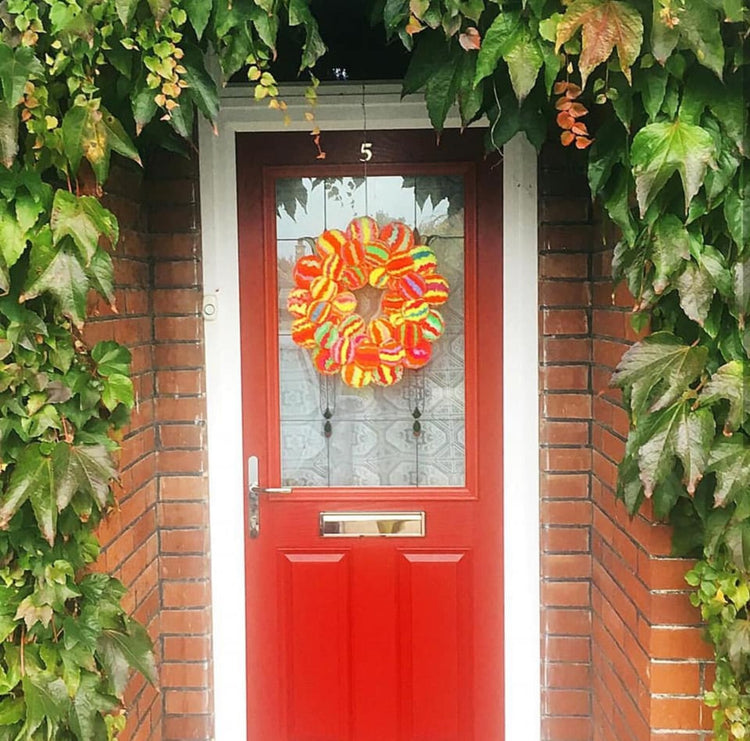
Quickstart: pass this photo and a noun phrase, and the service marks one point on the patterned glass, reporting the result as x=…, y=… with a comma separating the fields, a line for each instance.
x=408, y=434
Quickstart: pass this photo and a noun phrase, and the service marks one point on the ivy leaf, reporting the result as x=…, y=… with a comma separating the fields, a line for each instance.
x=730, y=461
x=143, y=104
x=442, y=88
x=12, y=237
x=57, y=272
x=198, y=11
x=84, y=219
x=12, y=710
x=740, y=302
x=32, y=476
x=126, y=10
x=17, y=67
x=696, y=288
x=159, y=8
x=713, y=262
x=661, y=149
x=698, y=29
x=119, y=651
x=429, y=52
x=675, y=432
x=730, y=382
x=618, y=208
x=737, y=215
x=606, y=24
x=524, y=60
x=469, y=98
x=607, y=150
x=8, y=134
x=737, y=538
x=313, y=48
x=88, y=705
x=118, y=389
x=671, y=247
x=86, y=468
x=111, y=358
x=203, y=87
x=737, y=643
x=101, y=274
x=661, y=364
x=46, y=700
x=652, y=84
x=499, y=39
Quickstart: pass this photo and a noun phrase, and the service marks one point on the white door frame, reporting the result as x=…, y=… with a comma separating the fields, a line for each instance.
x=340, y=107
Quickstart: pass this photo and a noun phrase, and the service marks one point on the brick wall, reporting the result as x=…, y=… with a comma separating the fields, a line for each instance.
x=649, y=662
x=565, y=239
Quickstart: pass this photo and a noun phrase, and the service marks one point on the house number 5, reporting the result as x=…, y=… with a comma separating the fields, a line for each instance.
x=366, y=150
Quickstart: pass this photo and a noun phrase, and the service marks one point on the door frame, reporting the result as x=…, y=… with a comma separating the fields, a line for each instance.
x=341, y=107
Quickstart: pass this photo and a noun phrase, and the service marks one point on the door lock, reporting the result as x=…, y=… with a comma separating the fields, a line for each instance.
x=254, y=490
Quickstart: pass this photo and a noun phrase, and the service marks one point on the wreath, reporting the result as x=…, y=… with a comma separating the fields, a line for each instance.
x=324, y=303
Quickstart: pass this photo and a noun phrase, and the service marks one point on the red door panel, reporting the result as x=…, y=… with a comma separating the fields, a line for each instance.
x=374, y=638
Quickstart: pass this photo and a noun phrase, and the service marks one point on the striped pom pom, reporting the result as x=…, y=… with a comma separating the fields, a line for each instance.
x=398, y=236
x=297, y=301
x=323, y=288
x=319, y=311
x=418, y=354
x=306, y=269
x=376, y=254
x=387, y=375
x=409, y=335
x=326, y=335
x=415, y=311
x=354, y=376
x=333, y=267
x=352, y=326
x=344, y=304
x=400, y=264
x=391, y=353
x=363, y=229
x=378, y=278
x=303, y=332
x=367, y=355
x=343, y=350
x=353, y=253
x=433, y=326
x=325, y=363
x=380, y=330
x=424, y=258
x=391, y=302
x=437, y=289
x=330, y=242
x=353, y=278
x=412, y=286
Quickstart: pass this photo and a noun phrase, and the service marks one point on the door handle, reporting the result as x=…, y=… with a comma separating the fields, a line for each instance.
x=254, y=490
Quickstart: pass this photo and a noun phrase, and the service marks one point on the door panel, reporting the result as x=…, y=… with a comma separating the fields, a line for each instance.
x=374, y=638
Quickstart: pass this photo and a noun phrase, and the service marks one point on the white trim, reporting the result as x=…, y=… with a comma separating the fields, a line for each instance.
x=340, y=108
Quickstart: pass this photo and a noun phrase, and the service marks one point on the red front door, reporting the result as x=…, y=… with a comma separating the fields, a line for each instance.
x=374, y=585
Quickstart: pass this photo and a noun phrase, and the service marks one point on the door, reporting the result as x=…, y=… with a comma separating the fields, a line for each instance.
x=374, y=572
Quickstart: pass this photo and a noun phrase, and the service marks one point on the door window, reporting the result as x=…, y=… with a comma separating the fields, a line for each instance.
x=410, y=434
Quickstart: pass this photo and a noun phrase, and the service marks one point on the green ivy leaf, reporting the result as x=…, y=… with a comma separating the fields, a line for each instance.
x=737, y=538
x=9, y=118
x=671, y=247
x=111, y=358
x=12, y=710
x=118, y=389
x=697, y=289
x=17, y=67
x=86, y=468
x=101, y=274
x=698, y=29
x=12, y=237
x=661, y=149
x=737, y=643
x=730, y=461
x=737, y=215
x=652, y=84
x=662, y=366
x=159, y=9
x=85, y=220
x=504, y=33
x=606, y=24
x=313, y=47
x=204, y=89
x=442, y=88
x=88, y=705
x=524, y=60
x=57, y=272
x=32, y=474
x=199, y=11
x=46, y=700
x=429, y=53
x=730, y=382
x=126, y=10
x=740, y=302
x=119, y=651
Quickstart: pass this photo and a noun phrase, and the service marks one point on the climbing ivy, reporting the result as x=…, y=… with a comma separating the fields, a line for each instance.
x=652, y=91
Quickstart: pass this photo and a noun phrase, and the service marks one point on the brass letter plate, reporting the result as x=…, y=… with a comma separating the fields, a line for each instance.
x=372, y=524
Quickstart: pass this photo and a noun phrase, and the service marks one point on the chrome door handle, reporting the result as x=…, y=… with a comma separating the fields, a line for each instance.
x=254, y=490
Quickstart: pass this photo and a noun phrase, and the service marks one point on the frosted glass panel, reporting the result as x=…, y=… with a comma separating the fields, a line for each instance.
x=411, y=433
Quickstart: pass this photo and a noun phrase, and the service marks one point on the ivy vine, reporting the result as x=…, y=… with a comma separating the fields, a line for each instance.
x=654, y=91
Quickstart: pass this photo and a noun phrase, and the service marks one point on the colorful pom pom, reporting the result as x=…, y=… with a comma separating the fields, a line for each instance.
x=363, y=229
x=424, y=258
x=319, y=311
x=378, y=278
x=352, y=326
x=343, y=350
x=303, y=332
x=437, y=289
x=354, y=376
x=325, y=363
x=333, y=267
x=397, y=236
x=297, y=301
x=367, y=355
x=391, y=303
x=385, y=375
x=326, y=335
x=330, y=242
x=415, y=311
x=353, y=253
x=410, y=335
x=433, y=326
x=323, y=288
x=376, y=254
x=344, y=304
x=418, y=355
x=353, y=278
x=380, y=330
x=306, y=269
x=391, y=353
x=412, y=286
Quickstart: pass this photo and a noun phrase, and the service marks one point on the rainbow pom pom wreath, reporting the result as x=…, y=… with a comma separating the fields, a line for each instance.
x=323, y=303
